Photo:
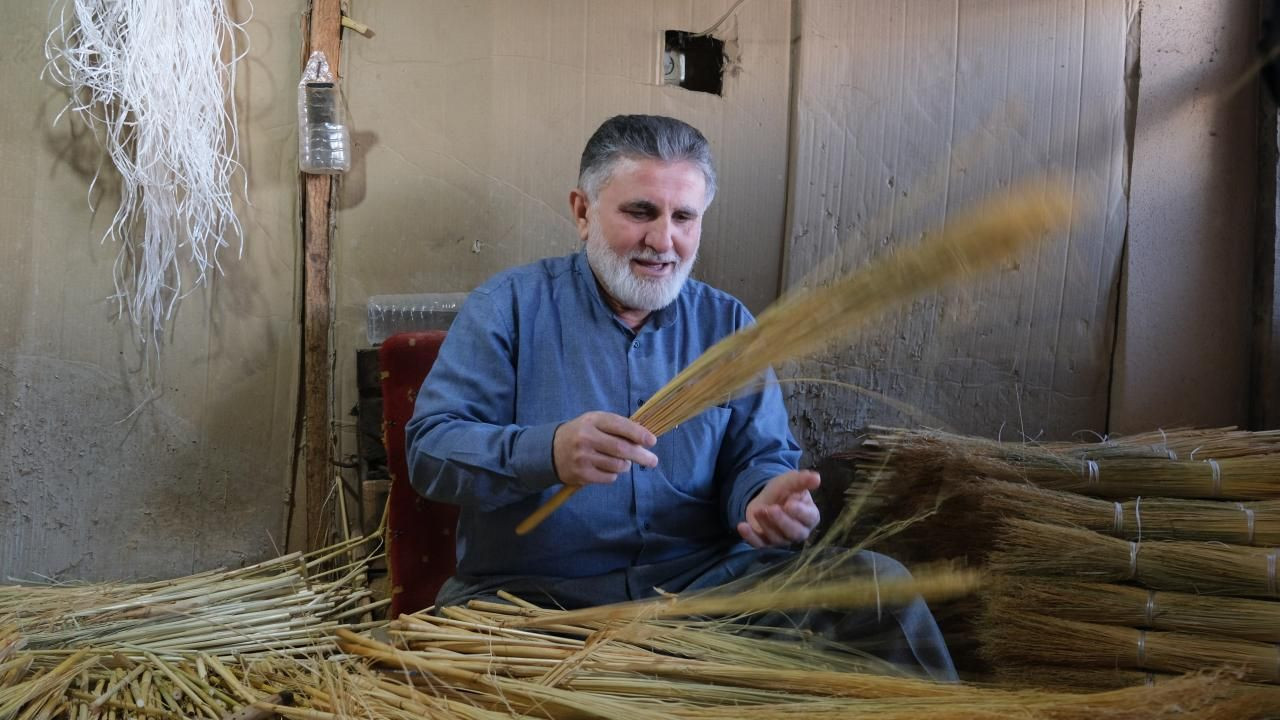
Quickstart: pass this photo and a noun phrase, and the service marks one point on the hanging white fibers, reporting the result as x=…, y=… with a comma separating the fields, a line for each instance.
x=153, y=80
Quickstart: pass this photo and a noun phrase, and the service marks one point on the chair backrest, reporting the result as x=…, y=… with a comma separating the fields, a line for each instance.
x=421, y=552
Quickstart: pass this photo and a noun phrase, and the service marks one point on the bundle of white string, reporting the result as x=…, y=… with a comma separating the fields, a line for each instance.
x=154, y=81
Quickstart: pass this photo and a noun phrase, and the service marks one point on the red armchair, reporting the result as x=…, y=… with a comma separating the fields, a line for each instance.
x=420, y=532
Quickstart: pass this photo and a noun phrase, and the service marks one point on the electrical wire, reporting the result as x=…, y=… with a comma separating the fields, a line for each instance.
x=723, y=17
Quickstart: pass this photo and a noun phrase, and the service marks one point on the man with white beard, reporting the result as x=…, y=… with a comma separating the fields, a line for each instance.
x=532, y=390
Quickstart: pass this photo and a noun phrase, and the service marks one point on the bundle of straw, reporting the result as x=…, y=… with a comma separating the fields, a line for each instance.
x=289, y=605
x=1145, y=518
x=90, y=683
x=1244, y=469
x=1106, y=604
x=1073, y=679
x=1031, y=548
x=1016, y=636
x=806, y=321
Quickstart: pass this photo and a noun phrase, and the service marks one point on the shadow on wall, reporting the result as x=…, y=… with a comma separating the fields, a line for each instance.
x=354, y=183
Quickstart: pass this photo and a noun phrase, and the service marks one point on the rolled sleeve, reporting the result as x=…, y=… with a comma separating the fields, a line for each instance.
x=533, y=459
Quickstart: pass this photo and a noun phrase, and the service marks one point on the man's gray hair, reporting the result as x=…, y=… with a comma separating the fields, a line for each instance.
x=639, y=137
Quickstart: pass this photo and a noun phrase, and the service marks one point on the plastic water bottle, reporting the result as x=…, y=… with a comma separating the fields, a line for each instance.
x=324, y=145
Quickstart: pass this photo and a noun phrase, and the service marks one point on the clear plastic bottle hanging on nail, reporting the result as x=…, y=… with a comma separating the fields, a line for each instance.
x=324, y=144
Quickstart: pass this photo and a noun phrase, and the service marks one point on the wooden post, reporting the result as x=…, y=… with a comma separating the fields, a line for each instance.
x=325, y=34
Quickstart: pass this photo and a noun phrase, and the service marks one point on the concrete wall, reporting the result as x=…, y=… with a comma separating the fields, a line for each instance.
x=197, y=477
x=1182, y=355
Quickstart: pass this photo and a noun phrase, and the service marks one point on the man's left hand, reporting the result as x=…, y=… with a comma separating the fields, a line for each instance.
x=783, y=512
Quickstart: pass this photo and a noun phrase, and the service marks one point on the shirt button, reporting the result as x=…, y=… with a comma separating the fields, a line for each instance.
x=648, y=526
x=636, y=344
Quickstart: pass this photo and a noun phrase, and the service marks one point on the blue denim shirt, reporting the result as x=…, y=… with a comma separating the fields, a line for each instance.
x=536, y=346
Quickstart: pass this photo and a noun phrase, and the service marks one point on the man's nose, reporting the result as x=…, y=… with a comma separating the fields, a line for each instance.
x=659, y=236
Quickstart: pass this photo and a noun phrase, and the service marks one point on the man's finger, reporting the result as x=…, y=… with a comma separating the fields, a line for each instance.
x=786, y=526
x=628, y=430
x=750, y=535
x=617, y=447
x=610, y=465
x=803, y=481
x=792, y=482
x=803, y=510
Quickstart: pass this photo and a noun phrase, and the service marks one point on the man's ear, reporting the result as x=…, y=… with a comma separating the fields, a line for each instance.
x=579, y=206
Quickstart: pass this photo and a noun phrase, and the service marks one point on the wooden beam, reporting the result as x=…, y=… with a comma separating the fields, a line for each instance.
x=325, y=34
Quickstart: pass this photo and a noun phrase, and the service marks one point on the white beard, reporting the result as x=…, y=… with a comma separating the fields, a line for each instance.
x=631, y=290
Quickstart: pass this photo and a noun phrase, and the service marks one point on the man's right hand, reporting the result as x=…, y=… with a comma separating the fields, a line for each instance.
x=596, y=446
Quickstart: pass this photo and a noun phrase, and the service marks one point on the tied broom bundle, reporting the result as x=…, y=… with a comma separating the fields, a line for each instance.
x=1107, y=604
x=1031, y=548
x=1146, y=518
x=1013, y=636
x=1245, y=469
x=806, y=321
x=1069, y=679
x=1224, y=442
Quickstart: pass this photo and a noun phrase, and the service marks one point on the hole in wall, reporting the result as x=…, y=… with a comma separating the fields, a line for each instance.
x=693, y=62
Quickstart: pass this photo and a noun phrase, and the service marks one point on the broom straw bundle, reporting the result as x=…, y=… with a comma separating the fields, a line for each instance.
x=1189, y=443
x=806, y=321
x=1147, y=518
x=1240, y=478
x=1107, y=604
x=1031, y=548
x=1061, y=678
x=1243, y=469
x=1010, y=636
x=288, y=605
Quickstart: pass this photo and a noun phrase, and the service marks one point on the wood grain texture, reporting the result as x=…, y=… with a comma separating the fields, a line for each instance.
x=324, y=35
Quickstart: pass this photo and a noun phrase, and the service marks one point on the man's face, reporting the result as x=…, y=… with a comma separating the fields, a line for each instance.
x=643, y=230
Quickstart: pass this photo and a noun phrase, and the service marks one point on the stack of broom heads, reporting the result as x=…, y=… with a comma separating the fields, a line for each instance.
x=1112, y=563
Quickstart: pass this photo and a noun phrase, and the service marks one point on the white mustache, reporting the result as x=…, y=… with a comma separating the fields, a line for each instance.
x=652, y=256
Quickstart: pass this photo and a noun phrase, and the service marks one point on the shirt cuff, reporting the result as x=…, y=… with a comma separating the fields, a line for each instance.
x=747, y=486
x=531, y=457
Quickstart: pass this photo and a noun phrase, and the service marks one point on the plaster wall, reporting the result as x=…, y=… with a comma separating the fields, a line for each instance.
x=103, y=476
x=1182, y=354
